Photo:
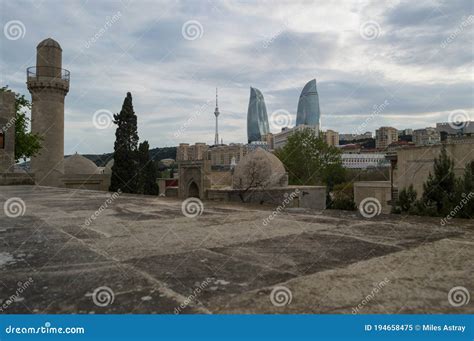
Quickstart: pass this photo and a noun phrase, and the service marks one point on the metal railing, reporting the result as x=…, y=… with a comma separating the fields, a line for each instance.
x=38, y=72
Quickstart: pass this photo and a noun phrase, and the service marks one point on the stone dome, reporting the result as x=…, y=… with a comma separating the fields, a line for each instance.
x=108, y=167
x=49, y=42
x=259, y=168
x=78, y=164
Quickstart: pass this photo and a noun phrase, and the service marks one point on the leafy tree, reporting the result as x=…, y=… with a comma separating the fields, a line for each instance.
x=27, y=144
x=439, y=189
x=125, y=168
x=342, y=197
x=147, y=172
x=310, y=161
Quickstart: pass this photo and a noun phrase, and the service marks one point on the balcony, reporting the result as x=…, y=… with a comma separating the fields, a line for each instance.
x=47, y=77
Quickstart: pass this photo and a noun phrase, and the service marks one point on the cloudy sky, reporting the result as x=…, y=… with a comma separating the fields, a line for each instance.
x=405, y=64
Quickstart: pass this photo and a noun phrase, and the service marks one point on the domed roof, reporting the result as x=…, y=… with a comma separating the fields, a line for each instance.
x=108, y=167
x=49, y=42
x=259, y=168
x=78, y=164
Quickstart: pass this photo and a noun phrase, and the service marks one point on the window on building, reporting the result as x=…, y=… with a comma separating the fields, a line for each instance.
x=2, y=140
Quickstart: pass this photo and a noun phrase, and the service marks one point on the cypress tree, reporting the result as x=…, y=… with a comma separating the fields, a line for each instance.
x=147, y=171
x=439, y=189
x=125, y=168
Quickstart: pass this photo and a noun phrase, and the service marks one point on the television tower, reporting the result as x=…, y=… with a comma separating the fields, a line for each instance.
x=217, y=113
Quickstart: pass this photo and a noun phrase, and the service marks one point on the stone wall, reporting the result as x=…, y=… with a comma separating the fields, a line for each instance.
x=312, y=197
x=7, y=127
x=97, y=182
x=414, y=164
x=380, y=190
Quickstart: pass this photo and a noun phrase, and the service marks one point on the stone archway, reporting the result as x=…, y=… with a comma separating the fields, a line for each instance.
x=193, y=190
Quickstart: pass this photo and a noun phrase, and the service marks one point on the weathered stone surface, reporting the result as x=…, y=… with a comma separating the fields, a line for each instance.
x=153, y=258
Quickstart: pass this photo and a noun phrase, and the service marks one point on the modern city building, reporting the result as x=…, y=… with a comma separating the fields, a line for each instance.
x=451, y=128
x=308, y=106
x=280, y=139
x=257, y=118
x=426, y=136
x=364, y=161
x=354, y=137
x=384, y=136
x=331, y=137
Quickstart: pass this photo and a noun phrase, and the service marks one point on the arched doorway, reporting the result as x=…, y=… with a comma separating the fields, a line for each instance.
x=193, y=190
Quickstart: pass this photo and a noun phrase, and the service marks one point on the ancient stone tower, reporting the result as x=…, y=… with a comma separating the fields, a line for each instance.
x=48, y=84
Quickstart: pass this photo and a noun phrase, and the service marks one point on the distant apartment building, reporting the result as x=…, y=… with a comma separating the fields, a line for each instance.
x=462, y=128
x=227, y=155
x=405, y=132
x=384, y=136
x=426, y=136
x=186, y=152
x=351, y=137
x=331, y=137
x=280, y=139
x=364, y=160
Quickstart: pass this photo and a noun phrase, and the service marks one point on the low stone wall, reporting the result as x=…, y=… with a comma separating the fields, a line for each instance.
x=312, y=197
x=380, y=190
x=97, y=182
x=8, y=179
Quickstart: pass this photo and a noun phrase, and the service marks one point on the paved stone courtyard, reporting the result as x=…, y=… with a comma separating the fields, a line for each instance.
x=154, y=259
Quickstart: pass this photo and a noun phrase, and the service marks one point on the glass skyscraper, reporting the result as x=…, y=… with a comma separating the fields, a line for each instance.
x=308, y=106
x=257, y=119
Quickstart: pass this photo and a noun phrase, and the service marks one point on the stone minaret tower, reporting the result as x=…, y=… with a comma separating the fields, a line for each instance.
x=48, y=84
x=216, y=113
